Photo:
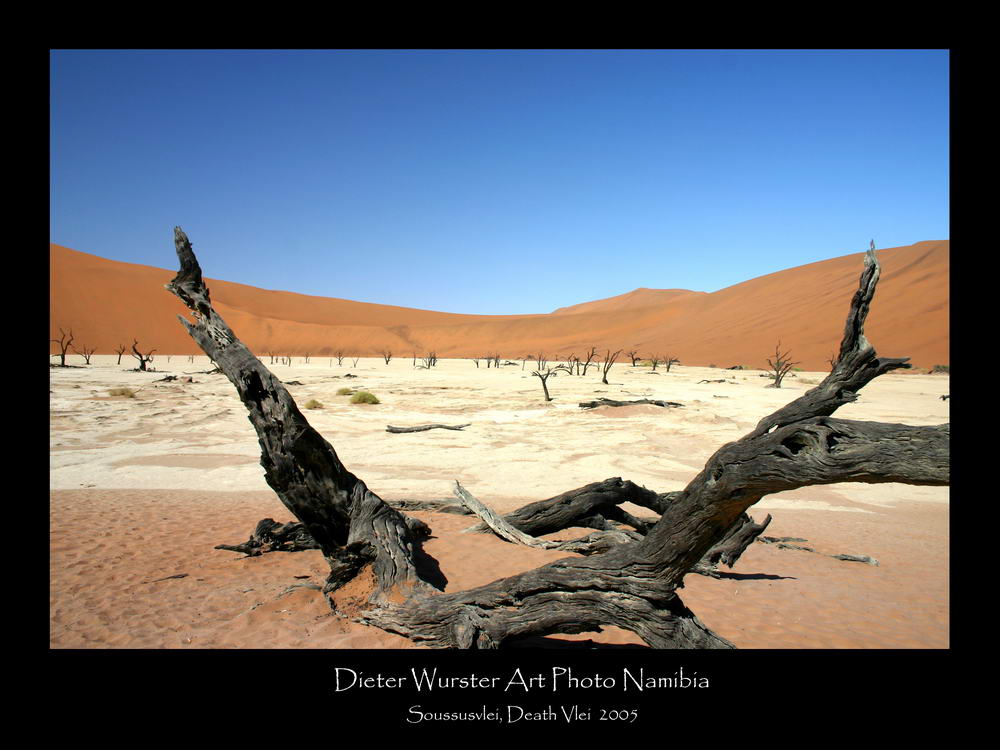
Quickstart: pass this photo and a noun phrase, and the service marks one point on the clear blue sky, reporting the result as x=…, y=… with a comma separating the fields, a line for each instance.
x=496, y=182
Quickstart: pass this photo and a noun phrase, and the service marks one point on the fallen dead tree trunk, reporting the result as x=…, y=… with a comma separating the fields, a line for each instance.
x=591, y=507
x=511, y=527
x=425, y=427
x=612, y=402
x=634, y=585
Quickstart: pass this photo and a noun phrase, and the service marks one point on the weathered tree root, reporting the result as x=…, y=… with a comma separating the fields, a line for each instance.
x=270, y=536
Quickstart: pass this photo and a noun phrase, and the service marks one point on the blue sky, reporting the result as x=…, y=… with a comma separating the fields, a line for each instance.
x=496, y=182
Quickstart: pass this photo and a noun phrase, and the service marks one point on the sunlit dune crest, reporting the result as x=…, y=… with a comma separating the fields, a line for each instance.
x=110, y=303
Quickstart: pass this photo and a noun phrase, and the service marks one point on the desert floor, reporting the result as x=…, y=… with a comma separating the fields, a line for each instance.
x=143, y=488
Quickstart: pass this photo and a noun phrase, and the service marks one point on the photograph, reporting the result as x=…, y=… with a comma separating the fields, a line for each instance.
x=590, y=359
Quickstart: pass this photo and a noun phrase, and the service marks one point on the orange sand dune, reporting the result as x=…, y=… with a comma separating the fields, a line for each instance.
x=109, y=303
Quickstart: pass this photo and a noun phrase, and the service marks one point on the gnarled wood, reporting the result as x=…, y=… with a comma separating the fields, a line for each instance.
x=633, y=585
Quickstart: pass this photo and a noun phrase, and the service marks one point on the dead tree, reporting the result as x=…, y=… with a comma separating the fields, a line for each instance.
x=654, y=361
x=85, y=353
x=609, y=359
x=669, y=360
x=64, y=342
x=426, y=427
x=587, y=362
x=340, y=358
x=476, y=360
x=144, y=359
x=544, y=372
x=632, y=585
x=780, y=366
x=120, y=351
x=386, y=355
x=634, y=356
x=633, y=402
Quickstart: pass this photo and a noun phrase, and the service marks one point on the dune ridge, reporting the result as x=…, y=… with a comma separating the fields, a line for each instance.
x=109, y=303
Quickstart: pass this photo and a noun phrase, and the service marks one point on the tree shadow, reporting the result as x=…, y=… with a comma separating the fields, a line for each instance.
x=428, y=568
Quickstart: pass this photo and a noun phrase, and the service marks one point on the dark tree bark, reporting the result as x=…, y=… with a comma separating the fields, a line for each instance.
x=591, y=506
x=120, y=351
x=270, y=536
x=632, y=585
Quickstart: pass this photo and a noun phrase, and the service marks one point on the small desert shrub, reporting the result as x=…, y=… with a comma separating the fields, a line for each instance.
x=809, y=381
x=345, y=391
x=127, y=392
x=312, y=404
x=364, y=397
x=941, y=368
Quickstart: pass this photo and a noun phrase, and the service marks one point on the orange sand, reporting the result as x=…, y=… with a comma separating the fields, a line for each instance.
x=108, y=303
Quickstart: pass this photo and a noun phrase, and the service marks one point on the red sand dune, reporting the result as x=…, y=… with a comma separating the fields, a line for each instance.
x=108, y=303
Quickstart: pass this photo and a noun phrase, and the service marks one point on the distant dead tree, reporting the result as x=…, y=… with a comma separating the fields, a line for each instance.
x=190, y=358
x=609, y=359
x=496, y=359
x=144, y=359
x=64, y=342
x=545, y=371
x=356, y=359
x=654, y=361
x=120, y=351
x=85, y=353
x=832, y=359
x=781, y=365
x=476, y=360
x=634, y=356
x=340, y=358
x=386, y=355
x=587, y=362
x=669, y=360
x=271, y=355
x=382, y=575
x=307, y=358
x=430, y=360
